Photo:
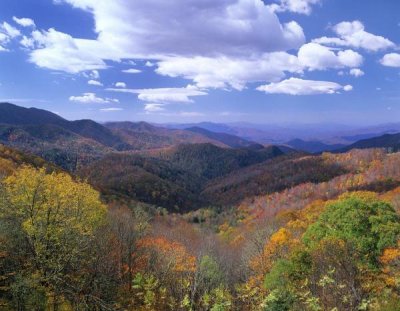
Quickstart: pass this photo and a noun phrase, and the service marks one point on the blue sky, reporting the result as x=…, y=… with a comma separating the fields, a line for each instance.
x=279, y=62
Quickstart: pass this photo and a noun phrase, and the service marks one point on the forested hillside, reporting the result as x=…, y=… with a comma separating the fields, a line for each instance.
x=172, y=178
x=326, y=239
x=75, y=144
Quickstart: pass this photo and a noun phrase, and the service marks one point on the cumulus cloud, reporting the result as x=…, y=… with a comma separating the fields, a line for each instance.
x=295, y=86
x=164, y=95
x=207, y=28
x=156, y=30
x=59, y=51
x=356, y=72
x=132, y=70
x=295, y=6
x=318, y=57
x=95, y=82
x=391, y=60
x=231, y=32
x=223, y=72
x=353, y=34
x=120, y=85
x=91, y=98
x=24, y=22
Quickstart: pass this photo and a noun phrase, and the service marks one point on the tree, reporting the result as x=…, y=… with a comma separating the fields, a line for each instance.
x=56, y=218
x=335, y=266
x=361, y=219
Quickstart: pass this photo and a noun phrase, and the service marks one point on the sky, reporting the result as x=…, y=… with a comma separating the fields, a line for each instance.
x=265, y=62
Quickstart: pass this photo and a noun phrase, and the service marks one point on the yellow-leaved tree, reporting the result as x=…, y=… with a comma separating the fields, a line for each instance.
x=52, y=219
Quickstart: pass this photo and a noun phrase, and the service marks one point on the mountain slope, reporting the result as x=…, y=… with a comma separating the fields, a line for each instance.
x=11, y=158
x=227, y=139
x=210, y=161
x=53, y=143
x=149, y=180
x=142, y=135
x=15, y=115
x=270, y=176
x=175, y=178
x=388, y=141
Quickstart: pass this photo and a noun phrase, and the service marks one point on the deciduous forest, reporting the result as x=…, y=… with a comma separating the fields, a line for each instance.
x=330, y=241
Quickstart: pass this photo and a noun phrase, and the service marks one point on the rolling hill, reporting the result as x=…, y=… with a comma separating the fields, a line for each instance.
x=227, y=139
x=388, y=141
x=210, y=161
x=270, y=176
x=175, y=178
x=15, y=115
x=142, y=135
x=74, y=144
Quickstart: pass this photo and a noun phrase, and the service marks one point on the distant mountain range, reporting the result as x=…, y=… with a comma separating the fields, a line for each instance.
x=71, y=144
x=327, y=134
x=176, y=168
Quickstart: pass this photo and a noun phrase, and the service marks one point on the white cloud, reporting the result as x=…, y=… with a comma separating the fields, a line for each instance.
x=9, y=30
x=295, y=6
x=27, y=42
x=295, y=86
x=391, y=60
x=164, y=95
x=132, y=70
x=356, y=72
x=94, y=74
x=318, y=57
x=353, y=34
x=214, y=33
x=4, y=38
x=94, y=82
x=112, y=109
x=348, y=88
x=24, y=22
x=151, y=107
x=223, y=72
x=144, y=29
x=120, y=85
x=91, y=98
x=59, y=51
x=149, y=64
